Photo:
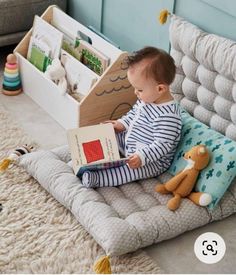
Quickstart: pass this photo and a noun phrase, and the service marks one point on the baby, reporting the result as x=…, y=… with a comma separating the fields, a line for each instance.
x=150, y=132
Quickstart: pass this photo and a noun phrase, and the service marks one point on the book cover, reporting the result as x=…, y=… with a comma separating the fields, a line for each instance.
x=93, y=148
x=45, y=37
x=70, y=47
x=38, y=54
x=92, y=58
x=39, y=59
x=101, y=165
x=70, y=40
x=78, y=47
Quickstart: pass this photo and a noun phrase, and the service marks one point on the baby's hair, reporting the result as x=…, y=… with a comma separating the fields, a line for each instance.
x=161, y=66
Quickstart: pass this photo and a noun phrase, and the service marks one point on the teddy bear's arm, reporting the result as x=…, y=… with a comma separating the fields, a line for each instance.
x=173, y=183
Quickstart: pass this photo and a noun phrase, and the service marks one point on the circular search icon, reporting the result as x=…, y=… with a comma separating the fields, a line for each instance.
x=209, y=248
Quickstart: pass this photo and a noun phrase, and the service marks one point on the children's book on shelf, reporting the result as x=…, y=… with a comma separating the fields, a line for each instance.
x=70, y=40
x=45, y=44
x=77, y=44
x=94, y=147
x=92, y=58
x=39, y=54
x=70, y=45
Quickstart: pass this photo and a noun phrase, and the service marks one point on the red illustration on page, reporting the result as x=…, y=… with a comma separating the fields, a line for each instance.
x=93, y=150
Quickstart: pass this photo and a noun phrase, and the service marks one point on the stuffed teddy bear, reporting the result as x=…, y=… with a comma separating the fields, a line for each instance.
x=182, y=184
x=57, y=74
x=73, y=76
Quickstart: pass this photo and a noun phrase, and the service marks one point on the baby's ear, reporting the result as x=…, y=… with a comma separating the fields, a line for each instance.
x=162, y=88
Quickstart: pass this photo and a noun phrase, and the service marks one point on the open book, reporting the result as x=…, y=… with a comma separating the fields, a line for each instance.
x=93, y=148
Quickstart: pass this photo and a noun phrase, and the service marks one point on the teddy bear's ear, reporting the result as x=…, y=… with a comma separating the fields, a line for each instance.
x=202, y=150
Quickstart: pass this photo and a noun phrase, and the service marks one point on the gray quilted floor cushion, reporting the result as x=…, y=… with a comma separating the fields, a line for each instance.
x=120, y=219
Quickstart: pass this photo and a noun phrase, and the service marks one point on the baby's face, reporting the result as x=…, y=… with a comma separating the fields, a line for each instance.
x=145, y=88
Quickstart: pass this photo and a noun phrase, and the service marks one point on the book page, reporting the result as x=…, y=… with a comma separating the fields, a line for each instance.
x=92, y=144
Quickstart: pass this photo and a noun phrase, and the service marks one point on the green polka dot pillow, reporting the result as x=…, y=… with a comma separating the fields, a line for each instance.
x=218, y=175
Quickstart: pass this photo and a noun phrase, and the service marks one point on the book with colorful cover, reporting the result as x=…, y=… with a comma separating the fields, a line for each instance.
x=70, y=40
x=78, y=45
x=70, y=47
x=45, y=44
x=39, y=59
x=92, y=58
x=93, y=148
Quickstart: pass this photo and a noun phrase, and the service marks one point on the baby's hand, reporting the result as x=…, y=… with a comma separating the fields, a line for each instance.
x=118, y=126
x=134, y=161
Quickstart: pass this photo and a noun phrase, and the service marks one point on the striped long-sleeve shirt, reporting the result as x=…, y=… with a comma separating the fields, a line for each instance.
x=152, y=131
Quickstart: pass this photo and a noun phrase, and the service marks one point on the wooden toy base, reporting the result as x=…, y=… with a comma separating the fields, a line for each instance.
x=5, y=92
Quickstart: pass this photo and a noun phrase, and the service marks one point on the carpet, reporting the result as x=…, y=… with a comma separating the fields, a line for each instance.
x=39, y=235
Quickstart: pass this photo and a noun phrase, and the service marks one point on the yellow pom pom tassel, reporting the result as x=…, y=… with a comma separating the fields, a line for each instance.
x=4, y=164
x=163, y=16
x=103, y=266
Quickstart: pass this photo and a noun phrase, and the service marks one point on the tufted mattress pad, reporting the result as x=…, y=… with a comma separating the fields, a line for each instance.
x=120, y=219
x=123, y=219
